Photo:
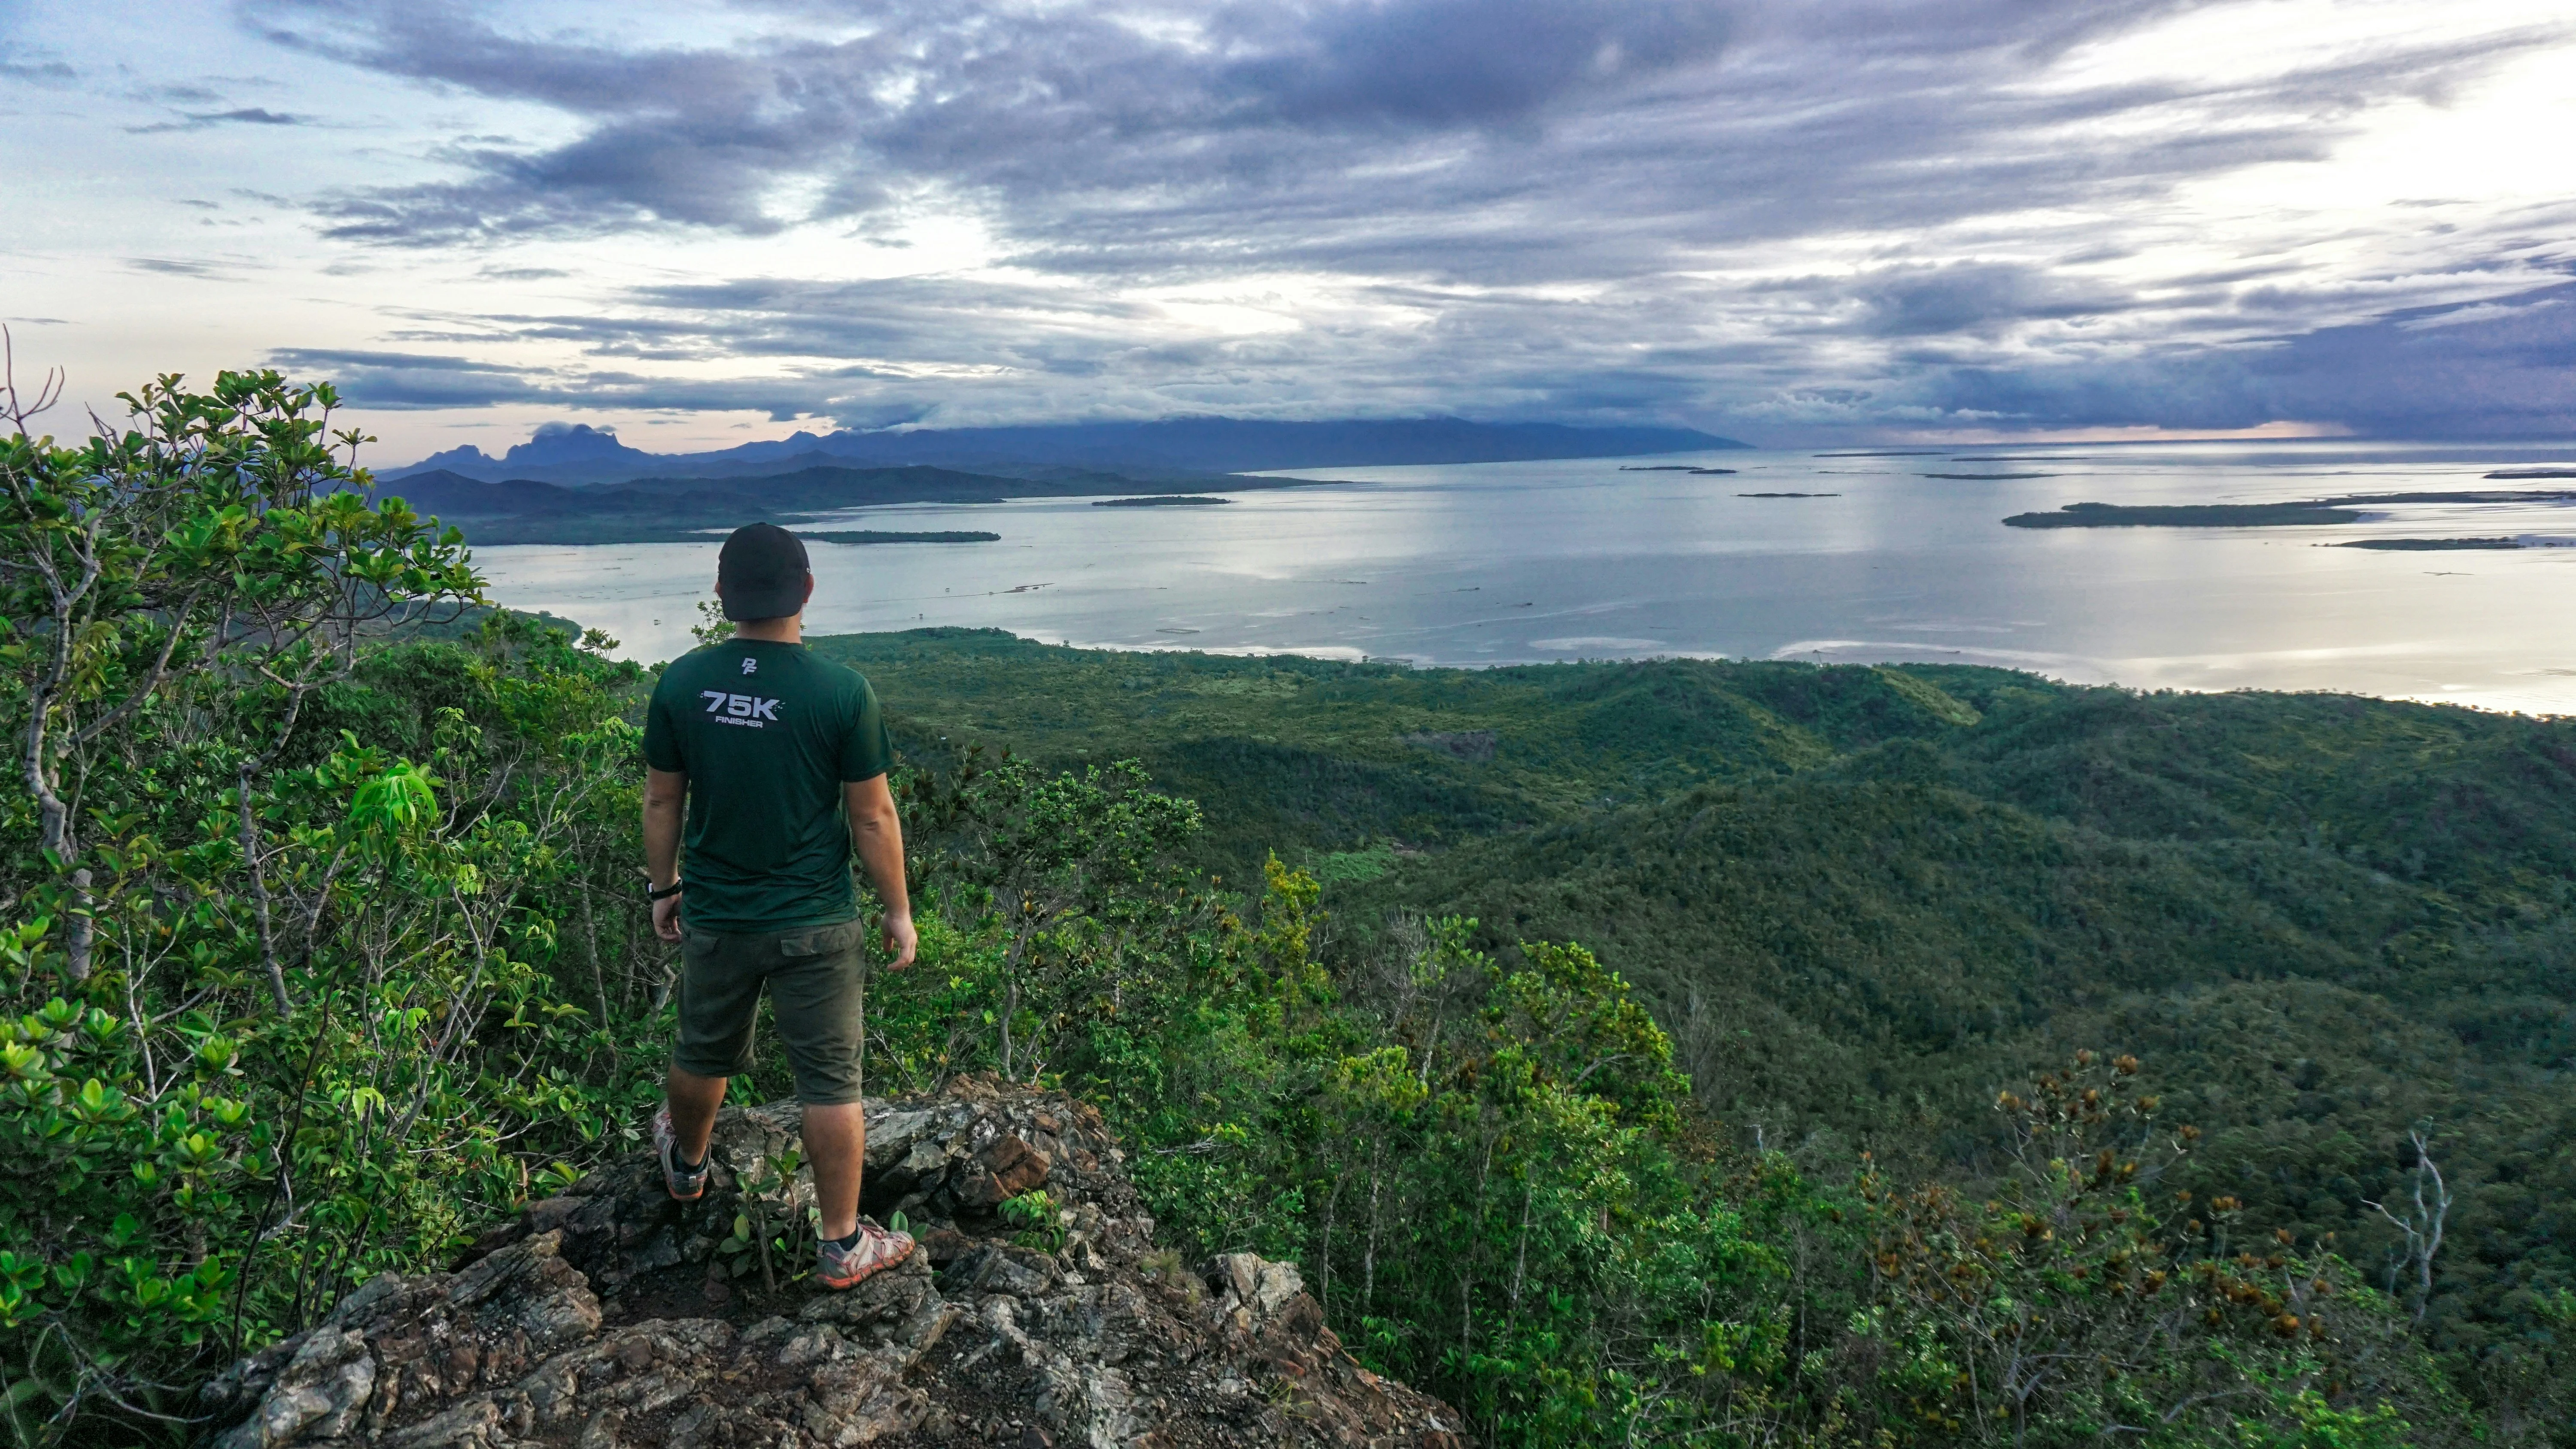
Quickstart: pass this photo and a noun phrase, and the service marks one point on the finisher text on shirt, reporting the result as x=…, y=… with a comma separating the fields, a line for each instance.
x=739, y=708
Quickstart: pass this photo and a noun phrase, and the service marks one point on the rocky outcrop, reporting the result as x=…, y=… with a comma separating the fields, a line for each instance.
x=611, y=1316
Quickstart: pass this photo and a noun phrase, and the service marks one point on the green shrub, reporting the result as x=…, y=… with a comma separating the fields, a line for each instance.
x=295, y=914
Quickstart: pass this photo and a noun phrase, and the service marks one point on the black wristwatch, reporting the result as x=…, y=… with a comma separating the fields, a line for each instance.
x=665, y=893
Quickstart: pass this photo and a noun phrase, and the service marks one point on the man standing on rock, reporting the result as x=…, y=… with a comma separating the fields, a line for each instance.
x=778, y=761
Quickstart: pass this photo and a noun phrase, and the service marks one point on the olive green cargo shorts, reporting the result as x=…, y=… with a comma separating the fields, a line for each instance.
x=816, y=980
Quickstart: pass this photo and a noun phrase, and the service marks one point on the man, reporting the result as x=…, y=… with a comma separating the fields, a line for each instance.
x=779, y=761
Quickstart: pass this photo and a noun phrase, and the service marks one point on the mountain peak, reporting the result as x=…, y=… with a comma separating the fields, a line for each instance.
x=570, y=443
x=467, y=459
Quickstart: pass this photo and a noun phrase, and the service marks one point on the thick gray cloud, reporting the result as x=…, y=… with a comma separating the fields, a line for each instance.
x=1349, y=133
x=407, y=381
x=2503, y=369
x=1541, y=207
x=1973, y=298
x=1442, y=63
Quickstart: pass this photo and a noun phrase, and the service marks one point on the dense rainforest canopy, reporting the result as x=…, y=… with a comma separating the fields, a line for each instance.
x=1862, y=899
x=1640, y=1053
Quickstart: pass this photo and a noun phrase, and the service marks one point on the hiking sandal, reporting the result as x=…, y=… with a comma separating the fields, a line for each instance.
x=686, y=1186
x=876, y=1250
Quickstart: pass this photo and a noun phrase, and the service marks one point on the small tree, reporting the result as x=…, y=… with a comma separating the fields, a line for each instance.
x=2421, y=1221
x=273, y=995
x=2067, y=1297
x=221, y=537
x=1069, y=868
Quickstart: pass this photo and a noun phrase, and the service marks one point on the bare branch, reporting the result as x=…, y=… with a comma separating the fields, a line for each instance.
x=17, y=409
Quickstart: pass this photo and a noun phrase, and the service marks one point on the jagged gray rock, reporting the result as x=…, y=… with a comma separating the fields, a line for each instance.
x=611, y=1316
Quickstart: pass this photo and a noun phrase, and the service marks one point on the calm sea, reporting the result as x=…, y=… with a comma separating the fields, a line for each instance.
x=1518, y=562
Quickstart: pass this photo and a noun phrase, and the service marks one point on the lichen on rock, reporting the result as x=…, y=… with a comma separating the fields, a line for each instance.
x=612, y=1316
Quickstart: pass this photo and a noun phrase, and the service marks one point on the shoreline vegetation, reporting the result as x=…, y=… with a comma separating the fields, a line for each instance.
x=2305, y=513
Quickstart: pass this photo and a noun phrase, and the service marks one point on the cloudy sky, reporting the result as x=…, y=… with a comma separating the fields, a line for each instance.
x=1799, y=221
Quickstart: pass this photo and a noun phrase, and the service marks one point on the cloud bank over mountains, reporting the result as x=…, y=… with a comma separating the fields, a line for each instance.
x=1843, y=218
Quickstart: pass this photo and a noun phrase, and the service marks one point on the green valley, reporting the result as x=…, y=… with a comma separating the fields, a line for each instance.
x=1862, y=898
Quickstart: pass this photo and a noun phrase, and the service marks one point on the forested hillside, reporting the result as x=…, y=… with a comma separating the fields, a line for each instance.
x=1862, y=898
x=1675, y=1053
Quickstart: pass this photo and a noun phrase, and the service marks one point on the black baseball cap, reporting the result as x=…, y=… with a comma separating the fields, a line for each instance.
x=762, y=572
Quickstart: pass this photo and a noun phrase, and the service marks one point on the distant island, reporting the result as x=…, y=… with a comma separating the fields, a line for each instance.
x=1176, y=500
x=687, y=510
x=1788, y=495
x=578, y=454
x=2533, y=473
x=1986, y=477
x=2259, y=515
x=865, y=536
x=2184, y=515
x=2436, y=545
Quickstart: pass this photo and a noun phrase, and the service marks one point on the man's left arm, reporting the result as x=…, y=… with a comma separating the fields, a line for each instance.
x=877, y=829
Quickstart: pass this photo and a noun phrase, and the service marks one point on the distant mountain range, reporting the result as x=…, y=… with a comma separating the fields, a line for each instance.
x=684, y=510
x=577, y=454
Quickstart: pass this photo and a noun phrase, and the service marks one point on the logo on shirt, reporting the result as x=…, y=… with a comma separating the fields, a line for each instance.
x=740, y=709
x=751, y=664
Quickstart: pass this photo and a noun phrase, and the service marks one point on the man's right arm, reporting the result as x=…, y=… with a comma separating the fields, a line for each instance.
x=666, y=798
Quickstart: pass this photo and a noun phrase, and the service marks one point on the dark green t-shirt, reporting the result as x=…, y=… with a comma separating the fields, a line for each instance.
x=767, y=735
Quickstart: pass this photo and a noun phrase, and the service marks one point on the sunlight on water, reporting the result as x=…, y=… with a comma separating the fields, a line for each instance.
x=1521, y=562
